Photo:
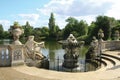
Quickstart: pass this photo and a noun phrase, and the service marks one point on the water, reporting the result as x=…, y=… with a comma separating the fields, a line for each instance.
x=5, y=41
x=55, y=53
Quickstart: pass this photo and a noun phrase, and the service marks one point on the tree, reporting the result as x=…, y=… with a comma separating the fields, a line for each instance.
x=77, y=28
x=44, y=32
x=106, y=24
x=1, y=31
x=28, y=29
x=52, y=26
x=70, y=26
x=37, y=33
x=82, y=28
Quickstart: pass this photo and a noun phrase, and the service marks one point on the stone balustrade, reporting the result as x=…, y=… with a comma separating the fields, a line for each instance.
x=11, y=55
x=110, y=45
x=5, y=56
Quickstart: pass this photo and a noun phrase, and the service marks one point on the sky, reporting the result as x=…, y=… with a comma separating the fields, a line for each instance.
x=37, y=12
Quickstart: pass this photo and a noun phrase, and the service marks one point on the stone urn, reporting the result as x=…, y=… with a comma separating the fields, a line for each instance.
x=16, y=31
x=71, y=46
x=116, y=35
x=100, y=34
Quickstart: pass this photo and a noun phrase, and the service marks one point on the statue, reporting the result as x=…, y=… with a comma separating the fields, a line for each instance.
x=100, y=35
x=93, y=50
x=33, y=51
x=16, y=30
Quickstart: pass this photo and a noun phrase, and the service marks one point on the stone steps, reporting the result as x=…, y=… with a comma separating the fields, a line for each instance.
x=112, y=61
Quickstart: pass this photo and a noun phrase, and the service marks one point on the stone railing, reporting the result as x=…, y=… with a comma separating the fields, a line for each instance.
x=11, y=55
x=5, y=56
x=110, y=45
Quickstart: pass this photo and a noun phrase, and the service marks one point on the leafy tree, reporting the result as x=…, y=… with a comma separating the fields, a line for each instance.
x=28, y=29
x=37, y=34
x=6, y=35
x=1, y=31
x=45, y=31
x=106, y=24
x=116, y=28
x=77, y=28
x=52, y=26
x=70, y=27
x=82, y=28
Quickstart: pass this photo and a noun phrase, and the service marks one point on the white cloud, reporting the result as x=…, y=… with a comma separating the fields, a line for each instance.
x=55, y=6
x=115, y=10
x=31, y=18
x=76, y=7
x=80, y=9
x=5, y=23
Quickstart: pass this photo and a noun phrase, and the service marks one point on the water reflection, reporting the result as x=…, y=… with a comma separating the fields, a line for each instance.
x=5, y=41
x=53, y=50
x=55, y=54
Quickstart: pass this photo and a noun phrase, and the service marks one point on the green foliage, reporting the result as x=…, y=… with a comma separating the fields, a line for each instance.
x=52, y=26
x=6, y=35
x=114, y=29
x=28, y=29
x=77, y=28
x=53, y=29
x=106, y=24
x=1, y=31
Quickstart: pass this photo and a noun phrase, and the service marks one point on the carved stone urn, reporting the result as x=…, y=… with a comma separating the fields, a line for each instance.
x=116, y=35
x=100, y=34
x=71, y=46
x=16, y=31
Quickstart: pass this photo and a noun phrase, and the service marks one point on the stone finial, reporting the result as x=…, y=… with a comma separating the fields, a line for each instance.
x=71, y=39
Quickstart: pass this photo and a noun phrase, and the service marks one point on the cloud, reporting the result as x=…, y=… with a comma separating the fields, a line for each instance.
x=31, y=18
x=76, y=7
x=115, y=10
x=80, y=9
x=5, y=23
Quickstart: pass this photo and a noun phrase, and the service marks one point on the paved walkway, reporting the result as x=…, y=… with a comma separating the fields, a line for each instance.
x=32, y=73
x=9, y=73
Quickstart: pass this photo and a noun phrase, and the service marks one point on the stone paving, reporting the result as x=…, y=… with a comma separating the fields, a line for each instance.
x=9, y=73
x=32, y=73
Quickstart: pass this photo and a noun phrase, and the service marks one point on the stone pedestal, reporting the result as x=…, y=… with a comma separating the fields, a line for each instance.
x=77, y=69
x=17, y=54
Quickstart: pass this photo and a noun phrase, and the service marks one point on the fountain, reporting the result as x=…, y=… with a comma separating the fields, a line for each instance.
x=71, y=46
